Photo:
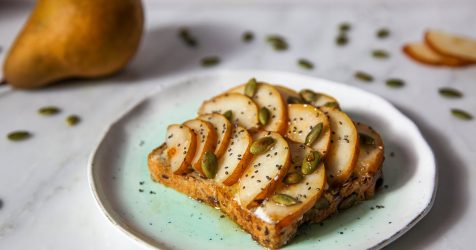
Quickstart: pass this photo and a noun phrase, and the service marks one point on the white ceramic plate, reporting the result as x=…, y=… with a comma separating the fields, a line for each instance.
x=159, y=217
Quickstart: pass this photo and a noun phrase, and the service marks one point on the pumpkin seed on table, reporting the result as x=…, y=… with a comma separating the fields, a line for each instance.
x=342, y=40
x=72, y=120
x=363, y=76
x=277, y=42
x=228, y=115
x=263, y=115
x=382, y=33
x=450, y=93
x=344, y=27
x=18, y=135
x=187, y=37
x=284, y=199
x=305, y=64
x=310, y=162
x=209, y=165
x=262, y=145
x=292, y=178
x=49, y=111
x=395, y=83
x=313, y=134
x=210, y=61
x=366, y=139
x=248, y=36
x=251, y=87
x=380, y=54
x=308, y=95
x=461, y=114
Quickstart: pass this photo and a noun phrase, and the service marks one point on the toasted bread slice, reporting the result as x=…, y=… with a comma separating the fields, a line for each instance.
x=223, y=130
x=206, y=141
x=267, y=96
x=181, y=145
x=371, y=151
x=236, y=158
x=302, y=120
x=344, y=148
x=452, y=45
x=244, y=110
x=306, y=192
x=264, y=171
x=422, y=53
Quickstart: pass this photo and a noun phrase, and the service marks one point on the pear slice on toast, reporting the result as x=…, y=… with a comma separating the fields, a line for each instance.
x=206, y=141
x=181, y=144
x=223, y=129
x=371, y=151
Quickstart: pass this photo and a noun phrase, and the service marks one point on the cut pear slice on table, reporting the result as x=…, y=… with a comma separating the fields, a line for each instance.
x=290, y=96
x=223, y=129
x=236, y=157
x=244, y=111
x=304, y=119
x=457, y=46
x=267, y=96
x=181, y=144
x=265, y=169
x=306, y=192
x=371, y=151
x=344, y=146
x=423, y=53
x=206, y=141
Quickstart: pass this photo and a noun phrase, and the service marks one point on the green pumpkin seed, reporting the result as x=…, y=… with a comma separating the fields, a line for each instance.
x=395, y=83
x=248, y=36
x=342, y=40
x=48, y=111
x=348, y=202
x=294, y=100
x=284, y=199
x=363, y=76
x=187, y=37
x=210, y=61
x=310, y=162
x=366, y=139
x=332, y=105
x=292, y=178
x=251, y=87
x=461, y=114
x=322, y=203
x=380, y=54
x=262, y=145
x=263, y=115
x=277, y=42
x=305, y=64
x=450, y=93
x=72, y=120
x=228, y=115
x=382, y=33
x=209, y=165
x=19, y=135
x=308, y=95
x=314, y=134
x=344, y=27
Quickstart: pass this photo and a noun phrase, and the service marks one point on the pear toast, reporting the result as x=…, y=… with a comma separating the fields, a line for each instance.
x=271, y=182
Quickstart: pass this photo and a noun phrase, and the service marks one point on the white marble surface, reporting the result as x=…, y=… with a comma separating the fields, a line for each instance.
x=46, y=199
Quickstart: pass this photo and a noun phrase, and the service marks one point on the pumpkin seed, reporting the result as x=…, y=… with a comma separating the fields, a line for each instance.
x=19, y=135
x=251, y=87
x=313, y=134
x=382, y=33
x=366, y=139
x=248, y=36
x=322, y=203
x=310, y=162
x=228, y=115
x=450, y=93
x=294, y=100
x=305, y=64
x=461, y=114
x=48, y=111
x=263, y=115
x=187, y=38
x=284, y=199
x=308, y=95
x=72, y=120
x=381, y=54
x=342, y=39
x=292, y=178
x=344, y=27
x=348, y=202
x=262, y=145
x=277, y=42
x=395, y=83
x=332, y=105
x=363, y=76
x=209, y=165
x=210, y=61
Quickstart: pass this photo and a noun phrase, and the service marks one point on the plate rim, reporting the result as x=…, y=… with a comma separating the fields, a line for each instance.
x=177, y=80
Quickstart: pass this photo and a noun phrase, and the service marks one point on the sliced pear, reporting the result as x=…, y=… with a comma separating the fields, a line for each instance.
x=206, y=141
x=223, y=129
x=289, y=95
x=423, y=53
x=306, y=192
x=181, y=145
x=371, y=150
x=237, y=155
x=452, y=45
x=344, y=146
x=318, y=99
x=268, y=97
x=302, y=118
x=264, y=171
x=244, y=110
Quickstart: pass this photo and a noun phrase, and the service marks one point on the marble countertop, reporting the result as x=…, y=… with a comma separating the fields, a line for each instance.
x=45, y=198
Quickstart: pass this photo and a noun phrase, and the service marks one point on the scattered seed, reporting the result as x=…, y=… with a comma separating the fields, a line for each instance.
x=363, y=76
x=210, y=61
x=262, y=145
x=284, y=199
x=380, y=54
x=395, y=83
x=251, y=87
x=277, y=42
x=308, y=95
x=72, y=120
x=344, y=27
x=342, y=40
x=450, y=93
x=248, y=36
x=313, y=134
x=310, y=162
x=187, y=37
x=228, y=115
x=382, y=33
x=49, y=111
x=263, y=115
x=209, y=165
x=461, y=114
x=366, y=139
x=292, y=178
x=305, y=64
x=19, y=135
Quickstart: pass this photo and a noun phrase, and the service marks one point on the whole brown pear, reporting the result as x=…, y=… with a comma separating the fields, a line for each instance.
x=74, y=38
